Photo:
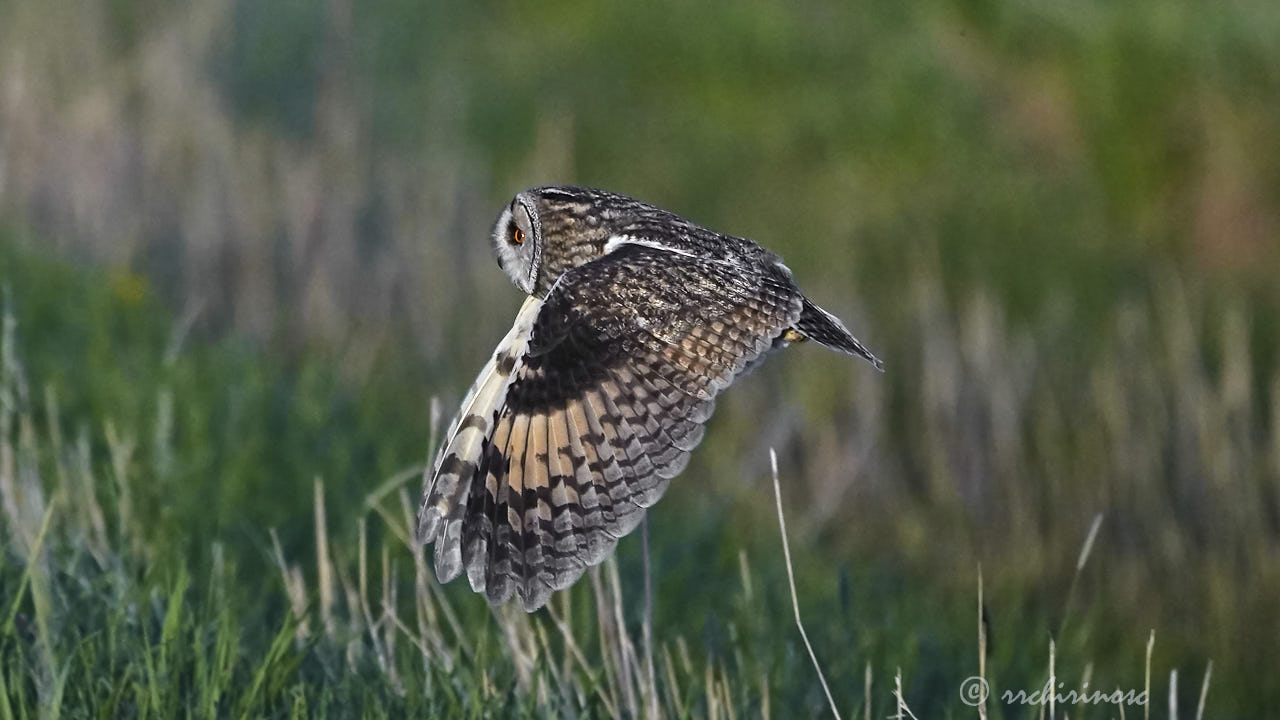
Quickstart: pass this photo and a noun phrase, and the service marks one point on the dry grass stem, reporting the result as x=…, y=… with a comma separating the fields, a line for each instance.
x=866, y=692
x=1083, y=558
x=628, y=667
x=1204, y=690
x=791, y=582
x=982, y=649
x=673, y=684
x=651, y=693
x=1146, y=677
x=903, y=709
x=592, y=673
x=324, y=566
x=295, y=588
x=1053, y=678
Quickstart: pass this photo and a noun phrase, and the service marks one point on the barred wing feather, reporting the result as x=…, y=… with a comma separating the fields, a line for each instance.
x=611, y=379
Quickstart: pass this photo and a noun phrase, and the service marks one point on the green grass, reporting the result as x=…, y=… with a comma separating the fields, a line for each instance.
x=162, y=552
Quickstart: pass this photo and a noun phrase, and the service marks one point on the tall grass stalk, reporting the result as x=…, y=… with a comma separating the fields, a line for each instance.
x=791, y=584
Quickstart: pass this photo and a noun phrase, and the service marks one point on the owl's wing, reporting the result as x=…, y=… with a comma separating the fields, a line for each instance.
x=587, y=410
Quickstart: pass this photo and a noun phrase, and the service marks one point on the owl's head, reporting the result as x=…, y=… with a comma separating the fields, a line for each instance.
x=547, y=230
x=517, y=241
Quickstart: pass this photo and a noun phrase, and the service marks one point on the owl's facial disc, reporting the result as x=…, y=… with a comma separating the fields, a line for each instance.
x=517, y=244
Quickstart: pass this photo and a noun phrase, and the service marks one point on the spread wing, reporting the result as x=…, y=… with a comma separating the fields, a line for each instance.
x=589, y=407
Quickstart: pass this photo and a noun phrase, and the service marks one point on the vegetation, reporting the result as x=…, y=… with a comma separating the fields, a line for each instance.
x=245, y=276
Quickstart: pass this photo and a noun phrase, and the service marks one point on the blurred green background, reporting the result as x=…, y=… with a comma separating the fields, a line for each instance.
x=243, y=246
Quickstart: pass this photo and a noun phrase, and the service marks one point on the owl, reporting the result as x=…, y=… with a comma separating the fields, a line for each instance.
x=635, y=320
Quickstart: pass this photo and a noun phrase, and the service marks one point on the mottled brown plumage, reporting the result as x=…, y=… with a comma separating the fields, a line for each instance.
x=636, y=320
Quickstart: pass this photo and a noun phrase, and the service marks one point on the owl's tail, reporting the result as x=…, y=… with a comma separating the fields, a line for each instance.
x=826, y=329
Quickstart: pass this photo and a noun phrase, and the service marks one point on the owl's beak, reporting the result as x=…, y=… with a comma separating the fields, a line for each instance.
x=527, y=286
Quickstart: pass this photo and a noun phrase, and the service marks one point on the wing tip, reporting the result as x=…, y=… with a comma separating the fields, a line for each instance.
x=427, y=526
x=448, y=552
x=534, y=595
x=827, y=330
x=476, y=576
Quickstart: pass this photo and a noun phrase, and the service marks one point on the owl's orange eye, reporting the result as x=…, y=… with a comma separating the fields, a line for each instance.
x=517, y=236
